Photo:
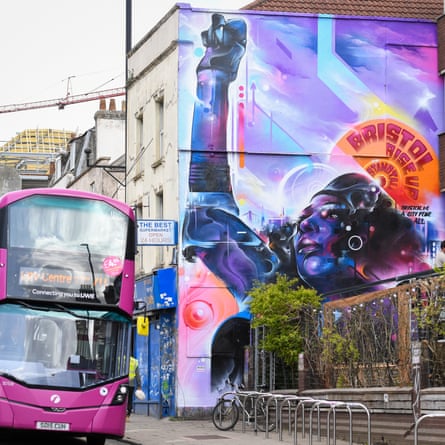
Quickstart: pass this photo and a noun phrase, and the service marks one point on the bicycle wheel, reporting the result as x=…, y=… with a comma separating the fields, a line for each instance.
x=225, y=414
x=261, y=417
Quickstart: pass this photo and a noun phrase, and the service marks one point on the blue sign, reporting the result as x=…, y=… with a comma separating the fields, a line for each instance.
x=158, y=291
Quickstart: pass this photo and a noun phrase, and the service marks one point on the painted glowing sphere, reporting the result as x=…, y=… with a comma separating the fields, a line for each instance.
x=198, y=314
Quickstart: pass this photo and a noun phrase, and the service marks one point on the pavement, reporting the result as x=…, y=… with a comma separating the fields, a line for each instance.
x=145, y=430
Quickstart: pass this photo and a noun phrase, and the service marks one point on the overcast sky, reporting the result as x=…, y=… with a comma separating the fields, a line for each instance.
x=53, y=47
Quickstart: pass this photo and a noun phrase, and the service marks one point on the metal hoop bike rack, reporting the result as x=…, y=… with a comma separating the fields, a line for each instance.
x=261, y=399
x=421, y=419
x=274, y=399
x=245, y=396
x=317, y=405
x=301, y=404
x=333, y=406
x=291, y=404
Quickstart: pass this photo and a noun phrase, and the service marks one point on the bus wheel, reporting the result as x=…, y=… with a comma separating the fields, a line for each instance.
x=96, y=440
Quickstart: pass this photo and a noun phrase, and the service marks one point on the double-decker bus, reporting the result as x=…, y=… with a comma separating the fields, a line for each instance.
x=66, y=304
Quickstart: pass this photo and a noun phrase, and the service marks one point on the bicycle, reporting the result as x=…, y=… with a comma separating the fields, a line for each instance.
x=251, y=404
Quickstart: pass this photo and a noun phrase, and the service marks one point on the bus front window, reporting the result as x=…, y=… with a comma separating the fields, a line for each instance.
x=56, y=348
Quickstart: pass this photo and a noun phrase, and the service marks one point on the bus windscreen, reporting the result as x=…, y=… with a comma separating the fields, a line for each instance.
x=57, y=348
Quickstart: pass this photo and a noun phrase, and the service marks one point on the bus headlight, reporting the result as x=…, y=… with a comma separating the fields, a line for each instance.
x=121, y=395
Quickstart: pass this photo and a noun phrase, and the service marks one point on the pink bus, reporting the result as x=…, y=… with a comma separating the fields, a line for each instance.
x=66, y=304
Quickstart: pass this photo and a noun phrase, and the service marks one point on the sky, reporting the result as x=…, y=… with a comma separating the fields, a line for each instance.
x=54, y=48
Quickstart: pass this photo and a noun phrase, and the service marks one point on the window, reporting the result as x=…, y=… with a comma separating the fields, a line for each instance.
x=76, y=348
x=160, y=215
x=160, y=205
x=139, y=143
x=159, y=127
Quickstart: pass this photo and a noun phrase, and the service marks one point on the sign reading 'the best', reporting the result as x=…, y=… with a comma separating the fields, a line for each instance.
x=157, y=232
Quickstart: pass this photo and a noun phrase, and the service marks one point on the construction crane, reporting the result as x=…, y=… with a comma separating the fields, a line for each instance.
x=61, y=103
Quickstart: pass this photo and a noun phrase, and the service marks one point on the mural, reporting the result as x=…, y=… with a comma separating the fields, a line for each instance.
x=308, y=146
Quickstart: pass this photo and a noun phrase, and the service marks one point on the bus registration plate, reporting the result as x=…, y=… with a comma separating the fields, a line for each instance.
x=53, y=426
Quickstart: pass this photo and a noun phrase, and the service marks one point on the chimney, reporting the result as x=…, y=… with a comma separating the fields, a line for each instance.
x=112, y=105
x=102, y=104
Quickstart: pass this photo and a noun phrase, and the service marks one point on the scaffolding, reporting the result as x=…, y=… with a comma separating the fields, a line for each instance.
x=31, y=151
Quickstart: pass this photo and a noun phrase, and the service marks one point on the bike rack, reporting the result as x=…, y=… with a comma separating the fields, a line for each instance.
x=301, y=404
x=291, y=403
x=294, y=403
x=333, y=406
x=318, y=404
x=245, y=395
x=423, y=417
x=359, y=406
x=261, y=395
x=332, y=410
x=275, y=399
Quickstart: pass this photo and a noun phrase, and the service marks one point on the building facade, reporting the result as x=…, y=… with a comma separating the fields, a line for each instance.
x=300, y=144
x=95, y=160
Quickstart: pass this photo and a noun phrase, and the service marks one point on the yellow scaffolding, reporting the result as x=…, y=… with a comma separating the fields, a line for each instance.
x=31, y=151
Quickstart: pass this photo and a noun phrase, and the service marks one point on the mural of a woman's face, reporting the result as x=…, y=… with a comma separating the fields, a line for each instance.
x=320, y=229
x=334, y=229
